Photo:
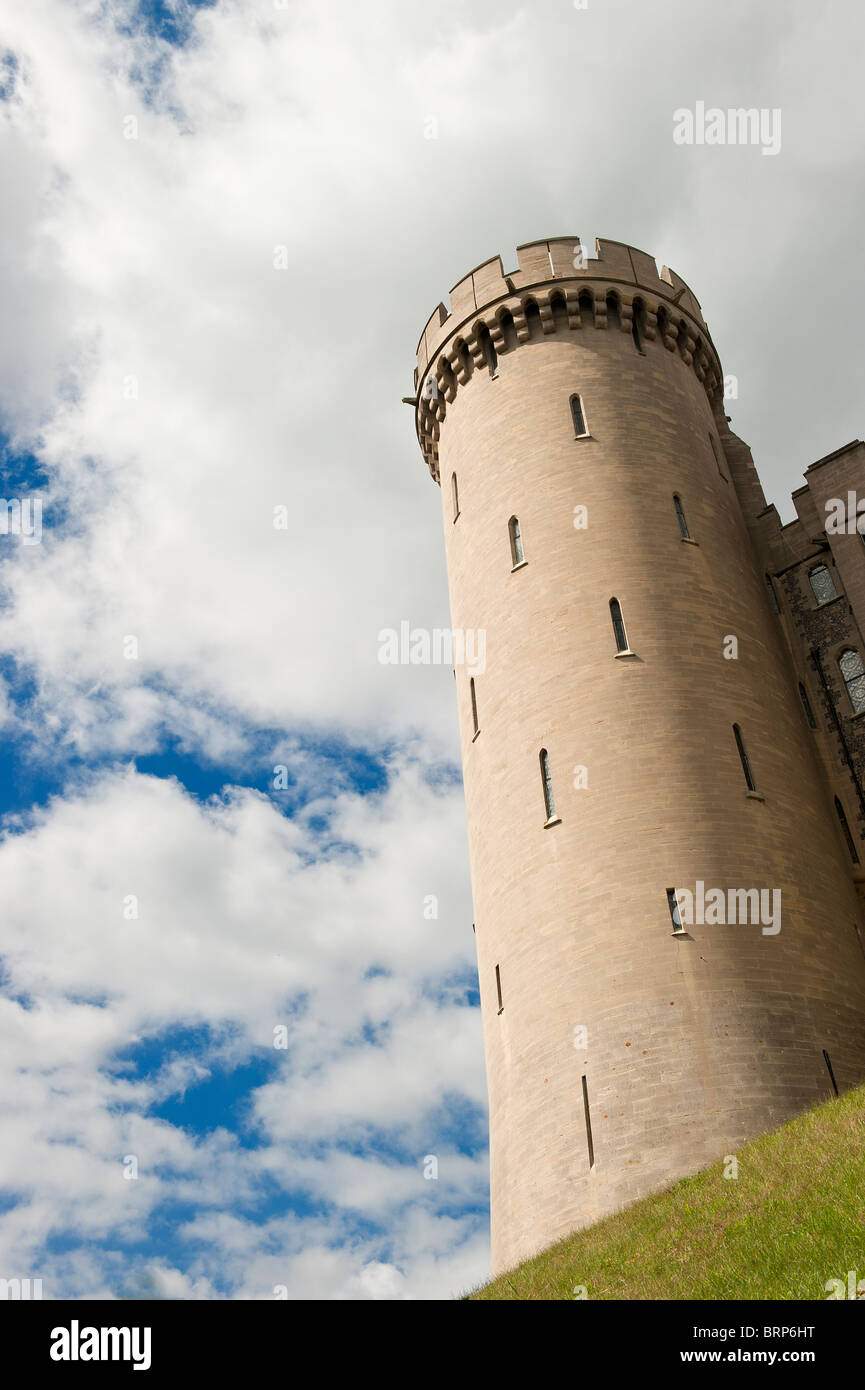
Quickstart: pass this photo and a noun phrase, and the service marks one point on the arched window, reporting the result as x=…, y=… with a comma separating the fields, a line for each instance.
x=806, y=705
x=618, y=625
x=488, y=349
x=579, y=417
x=716, y=451
x=533, y=320
x=662, y=323
x=560, y=312
x=587, y=309
x=547, y=781
x=745, y=760
x=456, y=495
x=850, y=663
x=773, y=597
x=680, y=514
x=822, y=584
x=614, y=318
x=475, y=728
x=637, y=311
x=465, y=359
x=517, y=557
x=842, y=821
x=509, y=331
x=682, y=338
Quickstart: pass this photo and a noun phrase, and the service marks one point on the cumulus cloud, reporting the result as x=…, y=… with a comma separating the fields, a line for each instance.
x=218, y=256
x=179, y=387
x=246, y=922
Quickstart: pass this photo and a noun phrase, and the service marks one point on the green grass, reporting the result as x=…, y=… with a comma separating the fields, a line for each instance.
x=792, y=1219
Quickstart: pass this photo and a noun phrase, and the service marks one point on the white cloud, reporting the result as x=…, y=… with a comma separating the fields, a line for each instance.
x=177, y=388
x=150, y=261
x=243, y=925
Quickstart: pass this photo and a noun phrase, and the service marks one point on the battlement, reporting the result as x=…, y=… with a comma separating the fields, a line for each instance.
x=556, y=277
x=556, y=259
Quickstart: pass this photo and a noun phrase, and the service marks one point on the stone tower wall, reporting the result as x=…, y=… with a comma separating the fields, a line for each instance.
x=693, y=1042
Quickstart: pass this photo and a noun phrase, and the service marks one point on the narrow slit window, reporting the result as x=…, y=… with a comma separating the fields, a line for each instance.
x=559, y=308
x=509, y=330
x=850, y=665
x=488, y=350
x=474, y=698
x=675, y=915
x=842, y=821
x=828, y=1061
x=547, y=782
x=588, y=1117
x=499, y=988
x=716, y=451
x=822, y=584
x=680, y=514
x=773, y=597
x=533, y=321
x=745, y=760
x=517, y=557
x=806, y=705
x=637, y=324
x=579, y=417
x=618, y=625
x=456, y=495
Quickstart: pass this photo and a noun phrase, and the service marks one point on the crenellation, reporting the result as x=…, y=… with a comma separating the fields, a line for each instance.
x=534, y=264
x=463, y=299
x=489, y=281
x=431, y=335
x=614, y=259
x=552, y=261
x=645, y=268
x=566, y=255
x=547, y=269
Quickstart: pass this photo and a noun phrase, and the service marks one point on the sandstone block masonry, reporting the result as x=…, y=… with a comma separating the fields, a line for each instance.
x=608, y=532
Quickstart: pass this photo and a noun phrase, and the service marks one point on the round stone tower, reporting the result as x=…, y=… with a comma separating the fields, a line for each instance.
x=632, y=739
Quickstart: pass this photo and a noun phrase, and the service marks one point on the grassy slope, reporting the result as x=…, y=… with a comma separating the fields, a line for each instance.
x=794, y=1218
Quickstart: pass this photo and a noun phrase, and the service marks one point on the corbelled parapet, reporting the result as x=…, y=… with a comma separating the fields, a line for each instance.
x=570, y=291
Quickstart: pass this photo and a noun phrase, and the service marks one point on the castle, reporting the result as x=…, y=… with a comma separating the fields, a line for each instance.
x=663, y=756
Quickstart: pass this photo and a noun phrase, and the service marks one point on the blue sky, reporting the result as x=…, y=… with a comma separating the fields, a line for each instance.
x=180, y=1087
x=222, y=818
